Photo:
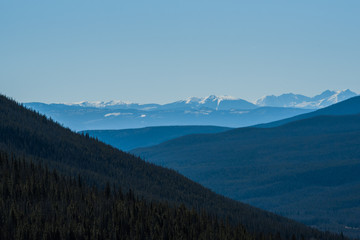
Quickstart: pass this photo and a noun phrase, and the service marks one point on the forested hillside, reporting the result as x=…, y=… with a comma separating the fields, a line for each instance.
x=36, y=203
x=30, y=135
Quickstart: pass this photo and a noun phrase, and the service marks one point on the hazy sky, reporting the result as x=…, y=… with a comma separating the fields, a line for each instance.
x=162, y=51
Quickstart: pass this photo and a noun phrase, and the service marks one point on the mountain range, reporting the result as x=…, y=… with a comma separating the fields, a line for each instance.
x=291, y=100
x=212, y=110
x=305, y=168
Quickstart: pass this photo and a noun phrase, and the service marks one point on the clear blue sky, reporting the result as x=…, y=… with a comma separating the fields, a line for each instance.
x=162, y=51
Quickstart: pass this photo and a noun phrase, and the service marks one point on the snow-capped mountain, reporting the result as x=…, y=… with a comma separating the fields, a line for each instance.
x=211, y=110
x=225, y=103
x=99, y=104
x=324, y=99
x=212, y=102
x=115, y=104
x=337, y=97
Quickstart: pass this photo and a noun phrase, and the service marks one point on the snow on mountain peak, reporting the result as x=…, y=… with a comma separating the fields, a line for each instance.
x=213, y=98
x=341, y=96
x=98, y=104
x=324, y=99
x=192, y=100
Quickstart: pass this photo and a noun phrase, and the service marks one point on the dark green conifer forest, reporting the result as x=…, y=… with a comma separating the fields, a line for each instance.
x=36, y=203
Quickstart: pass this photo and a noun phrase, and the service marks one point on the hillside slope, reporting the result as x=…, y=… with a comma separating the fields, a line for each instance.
x=128, y=139
x=26, y=133
x=306, y=170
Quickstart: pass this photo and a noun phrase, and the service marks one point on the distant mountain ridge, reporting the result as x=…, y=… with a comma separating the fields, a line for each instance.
x=212, y=110
x=291, y=100
x=212, y=102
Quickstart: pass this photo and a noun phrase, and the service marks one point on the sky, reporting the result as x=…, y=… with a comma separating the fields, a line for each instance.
x=163, y=51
